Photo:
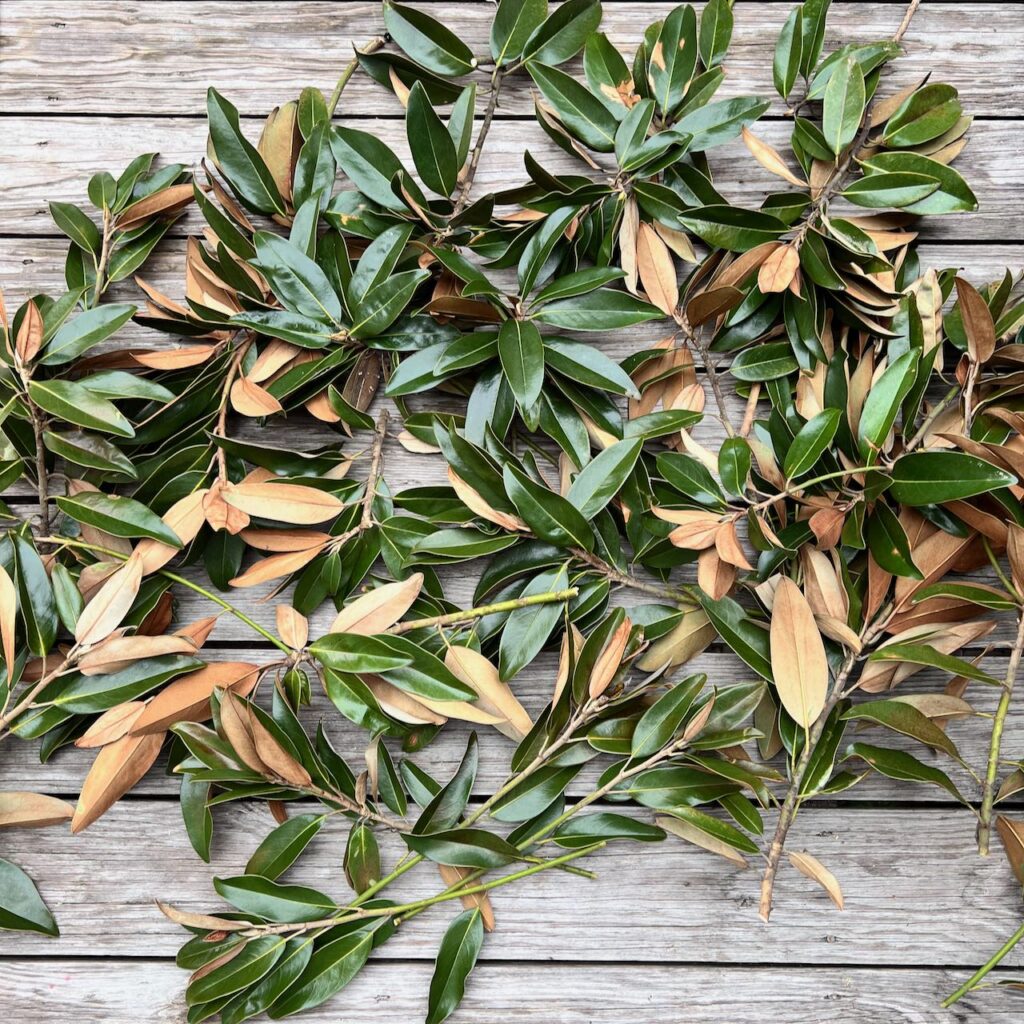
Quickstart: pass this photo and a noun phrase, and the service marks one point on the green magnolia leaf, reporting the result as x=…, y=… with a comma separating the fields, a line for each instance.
x=953, y=194
x=256, y=959
x=904, y=719
x=898, y=188
x=117, y=515
x=897, y=764
x=521, y=350
x=84, y=695
x=303, y=331
x=21, y=906
x=662, y=720
x=90, y=451
x=729, y=227
x=607, y=74
x=883, y=403
x=845, y=97
x=331, y=967
x=934, y=477
x=534, y=794
x=287, y=904
x=810, y=443
x=84, y=331
x=527, y=629
x=586, y=829
x=767, y=361
x=924, y=115
x=514, y=23
x=602, y=478
x=541, y=245
x=385, y=303
x=362, y=859
x=427, y=41
x=582, y=113
x=297, y=281
x=743, y=636
x=257, y=999
x=563, y=32
x=240, y=162
x=432, y=148
x=352, y=652
x=444, y=809
x=70, y=401
x=550, y=516
x=690, y=477
x=36, y=603
x=463, y=848
x=920, y=654
x=456, y=958
x=673, y=58
x=788, y=52
x=888, y=543
x=284, y=845
x=734, y=460
x=371, y=166
x=715, y=31
x=586, y=365
x=715, y=124
x=78, y=226
x=604, y=309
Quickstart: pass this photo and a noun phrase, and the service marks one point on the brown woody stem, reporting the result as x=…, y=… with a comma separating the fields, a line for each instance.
x=474, y=159
x=26, y=702
x=988, y=798
x=372, y=483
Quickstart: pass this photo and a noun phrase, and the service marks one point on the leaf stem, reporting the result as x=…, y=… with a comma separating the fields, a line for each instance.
x=988, y=798
x=468, y=614
x=795, y=489
x=175, y=578
x=980, y=973
x=474, y=160
x=104, y=258
x=371, y=47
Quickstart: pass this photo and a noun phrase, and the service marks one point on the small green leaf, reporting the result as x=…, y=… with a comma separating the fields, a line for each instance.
x=810, y=443
x=283, y=846
x=845, y=97
x=21, y=906
x=432, y=148
x=521, y=350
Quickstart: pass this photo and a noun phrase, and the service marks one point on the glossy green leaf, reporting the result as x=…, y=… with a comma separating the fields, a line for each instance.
x=715, y=31
x=604, y=309
x=456, y=958
x=845, y=97
x=550, y=516
x=514, y=23
x=521, y=350
x=888, y=543
x=904, y=767
x=602, y=478
x=78, y=226
x=432, y=148
x=581, y=112
x=70, y=401
x=810, y=443
x=662, y=720
x=331, y=967
x=905, y=719
x=463, y=848
x=897, y=188
x=563, y=32
x=82, y=332
x=287, y=904
x=427, y=41
x=527, y=629
x=21, y=906
x=117, y=515
x=282, y=847
x=788, y=51
x=933, y=477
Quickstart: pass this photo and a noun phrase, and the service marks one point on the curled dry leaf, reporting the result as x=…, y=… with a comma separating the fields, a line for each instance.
x=1011, y=831
x=475, y=901
x=292, y=626
x=164, y=203
x=692, y=834
x=493, y=696
x=799, y=665
x=285, y=503
x=978, y=324
x=30, y=334
x=205, y=921
x=401, y=705
x=770, y=159
x=187, y=699
x=32, y=810
x=111, y=603
x=380, y=609
x=609, y=661
x=8, y=616
x=779, y=270
x=809, y=865
x=249, y=399
x=112, y=724
x=118, y=766
x=261, y=751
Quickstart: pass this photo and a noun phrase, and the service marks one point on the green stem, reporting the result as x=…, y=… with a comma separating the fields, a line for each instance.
x=175, y=578
x=467, y=614
x=972, y=982
x=988, y=798
x=371, y=47
x=804, y=484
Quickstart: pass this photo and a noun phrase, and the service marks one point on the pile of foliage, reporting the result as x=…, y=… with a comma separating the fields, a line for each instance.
x=846, y=513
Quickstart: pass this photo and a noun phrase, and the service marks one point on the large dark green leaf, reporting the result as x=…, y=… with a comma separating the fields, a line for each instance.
x=564, y=32
x=845, y=97
x=883, y=403
x=71, y=401
x=742, y=634
x=660, y=722
x=604, y=309
x=296, y=280
x=527, y=629
x=895, y=188
x=602, y=478
x=427, y=41
x=432, y=148
x=810, y=442
x=118, y=515
x=79, y=334
x=550, y=516
x=370, y=165
x=330, y=969
x=255, y=1000
x=256, y=959
x=582, y=112
x=521, y=350
x=930, y=478
x=455, y=959
x=287, y=904
x=729, y=227
x=238, y=159
x=36, y=604
x=514, y=22
x=463, y=848
x=788, y=50
x=906, y=720
x=445, y=807
x=89, y=450
x=953, y=194
x=586, y=829
x=282, y=847
x=904, y=767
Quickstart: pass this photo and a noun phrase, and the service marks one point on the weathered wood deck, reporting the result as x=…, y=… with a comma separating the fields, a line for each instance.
x=666, y=935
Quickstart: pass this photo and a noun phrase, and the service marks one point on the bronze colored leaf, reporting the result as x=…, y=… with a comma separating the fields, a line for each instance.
x=715, y=576
x=770, y=159
x=32, y=810
x=284, y=540
x=609, y=661
x=292, y=626
x=378, y=610
x=629, y=231
x=714, y=302
x=187, y=699
x=185, y=517
x=493, y=696
x=799, y=666
x=118, y=652
x=1015, y=555
x=207, y=922
x=112, y=724
x=657, y=270
x=276, y=566
x=8, y=618
x=111, y=603
x=809, y=865
x=695, y=530
x=164, y=203
x=235, y=725
x=401, y=705
x=690, y=636
x=1011, y=831
x=118, y=766
x=285, y=503
x=978, y=324
x=249, y=399
x=475, y=503
x=778, y=271
x=692, y=834
x=30, y=333
x=451, y=875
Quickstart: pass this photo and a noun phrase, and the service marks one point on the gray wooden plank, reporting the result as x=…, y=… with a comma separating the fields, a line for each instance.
x=917, y=894
x=52, y=158
x=159, y=58
x=126, y=992
x=20, y=768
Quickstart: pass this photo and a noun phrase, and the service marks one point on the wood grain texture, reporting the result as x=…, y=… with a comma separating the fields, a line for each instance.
x=109, y=992
x=917, y=894
x=52, y=158
x=149, y=58
x=20, y=768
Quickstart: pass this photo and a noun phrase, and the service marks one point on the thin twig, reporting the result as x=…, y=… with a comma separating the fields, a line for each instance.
x=474, y=159
x=468, y=614
x=980, y=973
